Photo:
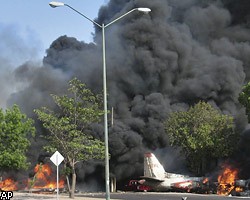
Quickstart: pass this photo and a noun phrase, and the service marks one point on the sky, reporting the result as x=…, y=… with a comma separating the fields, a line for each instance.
x=28, y=27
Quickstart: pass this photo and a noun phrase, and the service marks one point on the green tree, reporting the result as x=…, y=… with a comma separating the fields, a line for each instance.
x=244, y=99
x=203, y=133
x=70, y=127
x=15, y=130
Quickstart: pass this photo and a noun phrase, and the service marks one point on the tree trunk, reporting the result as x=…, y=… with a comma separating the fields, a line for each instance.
x=203, y=165
x=73, y=185
x=68, y=183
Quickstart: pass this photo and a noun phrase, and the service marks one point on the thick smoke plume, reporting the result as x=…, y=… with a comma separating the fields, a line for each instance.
x=180, y=53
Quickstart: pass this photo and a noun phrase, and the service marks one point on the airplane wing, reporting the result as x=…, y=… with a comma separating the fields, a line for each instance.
x=152, y=179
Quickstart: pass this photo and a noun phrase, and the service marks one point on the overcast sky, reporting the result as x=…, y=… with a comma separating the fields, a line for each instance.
x=27, y=27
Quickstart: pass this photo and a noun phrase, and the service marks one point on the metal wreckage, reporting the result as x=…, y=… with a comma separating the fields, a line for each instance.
x=157, y=179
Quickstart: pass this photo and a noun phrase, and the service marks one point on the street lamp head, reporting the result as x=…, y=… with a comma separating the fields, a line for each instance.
x=145, y=10
x=55, y=4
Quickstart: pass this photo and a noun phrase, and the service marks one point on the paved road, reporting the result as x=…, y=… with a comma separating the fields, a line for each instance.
x=126, y=196
x=163, y=196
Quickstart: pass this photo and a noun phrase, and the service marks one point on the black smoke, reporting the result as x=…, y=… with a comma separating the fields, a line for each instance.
x=178, y=54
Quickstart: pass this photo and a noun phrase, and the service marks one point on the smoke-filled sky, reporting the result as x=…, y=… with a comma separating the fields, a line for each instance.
x=178, y=54
x=28, y=28
x=32, y=26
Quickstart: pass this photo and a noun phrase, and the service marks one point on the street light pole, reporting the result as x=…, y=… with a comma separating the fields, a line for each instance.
x=105, y=114
x=103, y=26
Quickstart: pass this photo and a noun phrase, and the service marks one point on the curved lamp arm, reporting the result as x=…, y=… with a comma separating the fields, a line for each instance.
x=55, y=4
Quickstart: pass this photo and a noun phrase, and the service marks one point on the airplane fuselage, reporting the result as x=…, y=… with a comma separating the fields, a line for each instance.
x=159, y=180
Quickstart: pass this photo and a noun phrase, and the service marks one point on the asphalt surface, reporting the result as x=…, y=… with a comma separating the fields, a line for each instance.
x=167, y=196
x=125, y=196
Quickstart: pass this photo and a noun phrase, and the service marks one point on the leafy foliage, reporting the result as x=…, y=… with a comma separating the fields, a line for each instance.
x=70, y=127
x=244, y=99
x=202, y=132
x=15, y=129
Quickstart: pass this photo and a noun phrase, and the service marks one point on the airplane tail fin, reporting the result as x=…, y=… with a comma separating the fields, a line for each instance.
x=152, y=167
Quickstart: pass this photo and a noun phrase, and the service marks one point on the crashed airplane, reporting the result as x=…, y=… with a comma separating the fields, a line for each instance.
x=158, y=179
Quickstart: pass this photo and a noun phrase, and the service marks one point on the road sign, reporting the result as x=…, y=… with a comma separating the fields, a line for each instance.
x=57, y=158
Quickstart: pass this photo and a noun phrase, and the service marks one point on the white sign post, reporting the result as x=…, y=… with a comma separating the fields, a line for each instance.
x=57, y=158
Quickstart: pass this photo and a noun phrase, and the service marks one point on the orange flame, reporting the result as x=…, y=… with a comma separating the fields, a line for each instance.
x=205, y=180
x=8, y=185
x=227, y=181
x=43, y=178
x=238, y=189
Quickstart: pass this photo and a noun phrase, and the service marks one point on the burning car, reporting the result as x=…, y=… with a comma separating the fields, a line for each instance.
x=241, y=188
x=230, y=184
x=136, y=186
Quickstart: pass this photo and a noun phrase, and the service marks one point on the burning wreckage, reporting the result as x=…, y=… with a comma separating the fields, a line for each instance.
x=229, y=184
x=197, y=50
x=43, y=181
x=155, y=179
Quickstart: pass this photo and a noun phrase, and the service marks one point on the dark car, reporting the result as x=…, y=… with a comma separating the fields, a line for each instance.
x=134, y=185
x=241, y=188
